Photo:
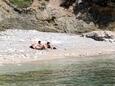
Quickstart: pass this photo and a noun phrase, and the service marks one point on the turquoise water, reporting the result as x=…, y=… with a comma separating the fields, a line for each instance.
x=64, y=72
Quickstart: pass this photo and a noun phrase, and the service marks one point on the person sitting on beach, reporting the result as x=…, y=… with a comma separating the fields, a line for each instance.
x=37, y=46
x=49, y=46
x=40, y=46
x=33, y=46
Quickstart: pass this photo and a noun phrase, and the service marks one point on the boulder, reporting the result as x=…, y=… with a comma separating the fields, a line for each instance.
x=100, y=35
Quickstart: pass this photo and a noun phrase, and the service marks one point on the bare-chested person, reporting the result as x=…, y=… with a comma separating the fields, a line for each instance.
x=40, y=46
x=37, y=46
x=49, y=46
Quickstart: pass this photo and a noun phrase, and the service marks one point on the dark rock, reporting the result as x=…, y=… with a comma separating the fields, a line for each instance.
x=100, y=35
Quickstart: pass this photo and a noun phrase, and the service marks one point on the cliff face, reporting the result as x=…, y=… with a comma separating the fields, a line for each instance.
x=6, y=11
x=43, y=15
x=101, y=12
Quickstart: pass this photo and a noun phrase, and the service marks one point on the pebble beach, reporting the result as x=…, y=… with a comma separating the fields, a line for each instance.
x=15, y=46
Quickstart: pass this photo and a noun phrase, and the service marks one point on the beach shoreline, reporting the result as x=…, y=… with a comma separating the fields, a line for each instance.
x=15, y=46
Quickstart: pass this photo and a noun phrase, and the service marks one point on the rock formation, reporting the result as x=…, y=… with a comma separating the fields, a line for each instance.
x=45, y=15
x=101, y=36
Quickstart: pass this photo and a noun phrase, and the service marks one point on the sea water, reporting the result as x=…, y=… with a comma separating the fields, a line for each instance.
x=61, y=72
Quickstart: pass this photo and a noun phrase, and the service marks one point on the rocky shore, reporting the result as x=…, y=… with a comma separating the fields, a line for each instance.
x=15, y=46
x=20, y=28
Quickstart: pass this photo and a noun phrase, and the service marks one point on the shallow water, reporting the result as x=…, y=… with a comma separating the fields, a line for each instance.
x=61, y=72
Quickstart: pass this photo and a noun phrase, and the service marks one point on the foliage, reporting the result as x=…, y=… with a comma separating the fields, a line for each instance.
x=21, y=3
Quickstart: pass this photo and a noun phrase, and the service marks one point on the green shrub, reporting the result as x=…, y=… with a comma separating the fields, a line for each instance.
x=21, y=3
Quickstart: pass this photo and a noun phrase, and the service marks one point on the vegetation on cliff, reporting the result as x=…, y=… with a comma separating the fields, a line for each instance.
x=21, y=3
